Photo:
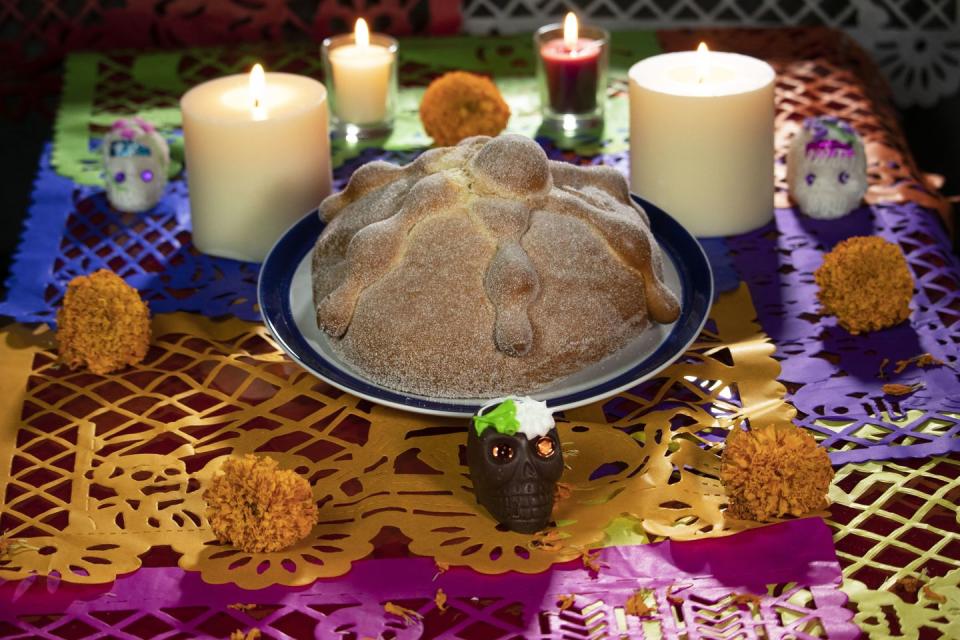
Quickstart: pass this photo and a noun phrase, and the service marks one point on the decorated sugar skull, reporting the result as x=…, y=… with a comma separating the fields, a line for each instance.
x=136, y=159
x=515, y=461
x=827, y=168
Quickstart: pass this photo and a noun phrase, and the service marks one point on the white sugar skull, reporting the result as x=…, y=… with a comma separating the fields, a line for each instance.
x=827, y=168
x=136, y=159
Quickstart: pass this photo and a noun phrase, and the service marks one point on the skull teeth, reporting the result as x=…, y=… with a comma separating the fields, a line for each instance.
x=525, y=506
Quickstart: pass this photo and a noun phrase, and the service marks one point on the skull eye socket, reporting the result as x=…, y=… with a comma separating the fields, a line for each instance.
x=501, y=452
x=811, y=178
x=843, y=177
x=119, y=177
x=545, y=447
x=146, y=175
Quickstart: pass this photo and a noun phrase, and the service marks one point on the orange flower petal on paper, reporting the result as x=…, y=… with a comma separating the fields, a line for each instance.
x=636, y=604
x=440, y=599
x=933, y=595
x=672, y=597
x=565, y=602
x=548, y=540
x=883, y=365
x=591, y=561
x=747, y=599
x=925, y=360
x=894, y=389
x=407, y=615
x=910, y=584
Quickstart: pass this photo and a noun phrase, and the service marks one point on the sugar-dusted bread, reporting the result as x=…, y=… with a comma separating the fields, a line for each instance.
x=484, y=269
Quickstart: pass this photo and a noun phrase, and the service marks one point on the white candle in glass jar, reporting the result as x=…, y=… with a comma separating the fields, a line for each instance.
x=257, y=152
x=361, y=78
x=701, y=139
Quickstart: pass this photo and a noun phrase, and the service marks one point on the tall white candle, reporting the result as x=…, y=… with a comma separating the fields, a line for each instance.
x=701, y=139
x=258, y=158
x=361, y=78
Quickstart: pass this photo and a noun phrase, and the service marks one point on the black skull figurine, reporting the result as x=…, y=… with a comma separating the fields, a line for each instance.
x=515, y=461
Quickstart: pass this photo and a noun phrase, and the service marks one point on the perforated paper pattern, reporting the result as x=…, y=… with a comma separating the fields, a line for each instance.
x=101, y=468
x=72, y=230
x=788, y=590
x=896, y=522
x=834, y=379
x=883, y=614
x=897, y=519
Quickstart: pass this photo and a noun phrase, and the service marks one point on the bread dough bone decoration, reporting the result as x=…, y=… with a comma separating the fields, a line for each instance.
x=515, y=461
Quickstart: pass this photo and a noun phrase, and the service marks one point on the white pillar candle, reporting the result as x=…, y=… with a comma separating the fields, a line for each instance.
x=701, y=139
x=258, y=158
x=361, y=78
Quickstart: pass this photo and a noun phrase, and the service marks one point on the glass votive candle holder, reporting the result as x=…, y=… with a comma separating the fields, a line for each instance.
x=572, y=76
x=361, y=76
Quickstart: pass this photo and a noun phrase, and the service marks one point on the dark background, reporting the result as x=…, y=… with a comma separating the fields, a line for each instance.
x=34, y=38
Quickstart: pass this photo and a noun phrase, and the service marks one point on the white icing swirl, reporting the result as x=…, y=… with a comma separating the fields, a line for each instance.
x=534, y=416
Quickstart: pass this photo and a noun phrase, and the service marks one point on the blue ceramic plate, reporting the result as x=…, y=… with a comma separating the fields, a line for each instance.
x=286, y=302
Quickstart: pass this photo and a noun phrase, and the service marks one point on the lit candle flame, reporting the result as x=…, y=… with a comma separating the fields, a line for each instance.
x=703, y=62
x=257, y=84
x=361, y=33
x=570, y=31
x=258, y=87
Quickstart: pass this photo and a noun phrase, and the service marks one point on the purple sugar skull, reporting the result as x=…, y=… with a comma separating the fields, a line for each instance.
x=827, y=168
x=136, y=159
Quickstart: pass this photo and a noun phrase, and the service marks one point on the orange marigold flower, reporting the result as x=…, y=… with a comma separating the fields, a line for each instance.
x=103, y=324
x=458, y=105
x=866, y=283
x=774, y=471
x=257, y=507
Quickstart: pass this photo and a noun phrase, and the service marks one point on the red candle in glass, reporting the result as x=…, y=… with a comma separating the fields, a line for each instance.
x=572, y=69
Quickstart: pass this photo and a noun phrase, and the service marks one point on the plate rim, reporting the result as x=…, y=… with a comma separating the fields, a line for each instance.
x=298, y=240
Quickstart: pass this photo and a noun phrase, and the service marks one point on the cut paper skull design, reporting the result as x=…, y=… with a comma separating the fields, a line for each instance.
x=515, y=461
x=136, y=159
x=827, y=168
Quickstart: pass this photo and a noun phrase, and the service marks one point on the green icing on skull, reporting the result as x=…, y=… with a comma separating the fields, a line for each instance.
x=503, y=418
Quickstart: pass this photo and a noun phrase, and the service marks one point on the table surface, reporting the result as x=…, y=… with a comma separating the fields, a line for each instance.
x=102, y=476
